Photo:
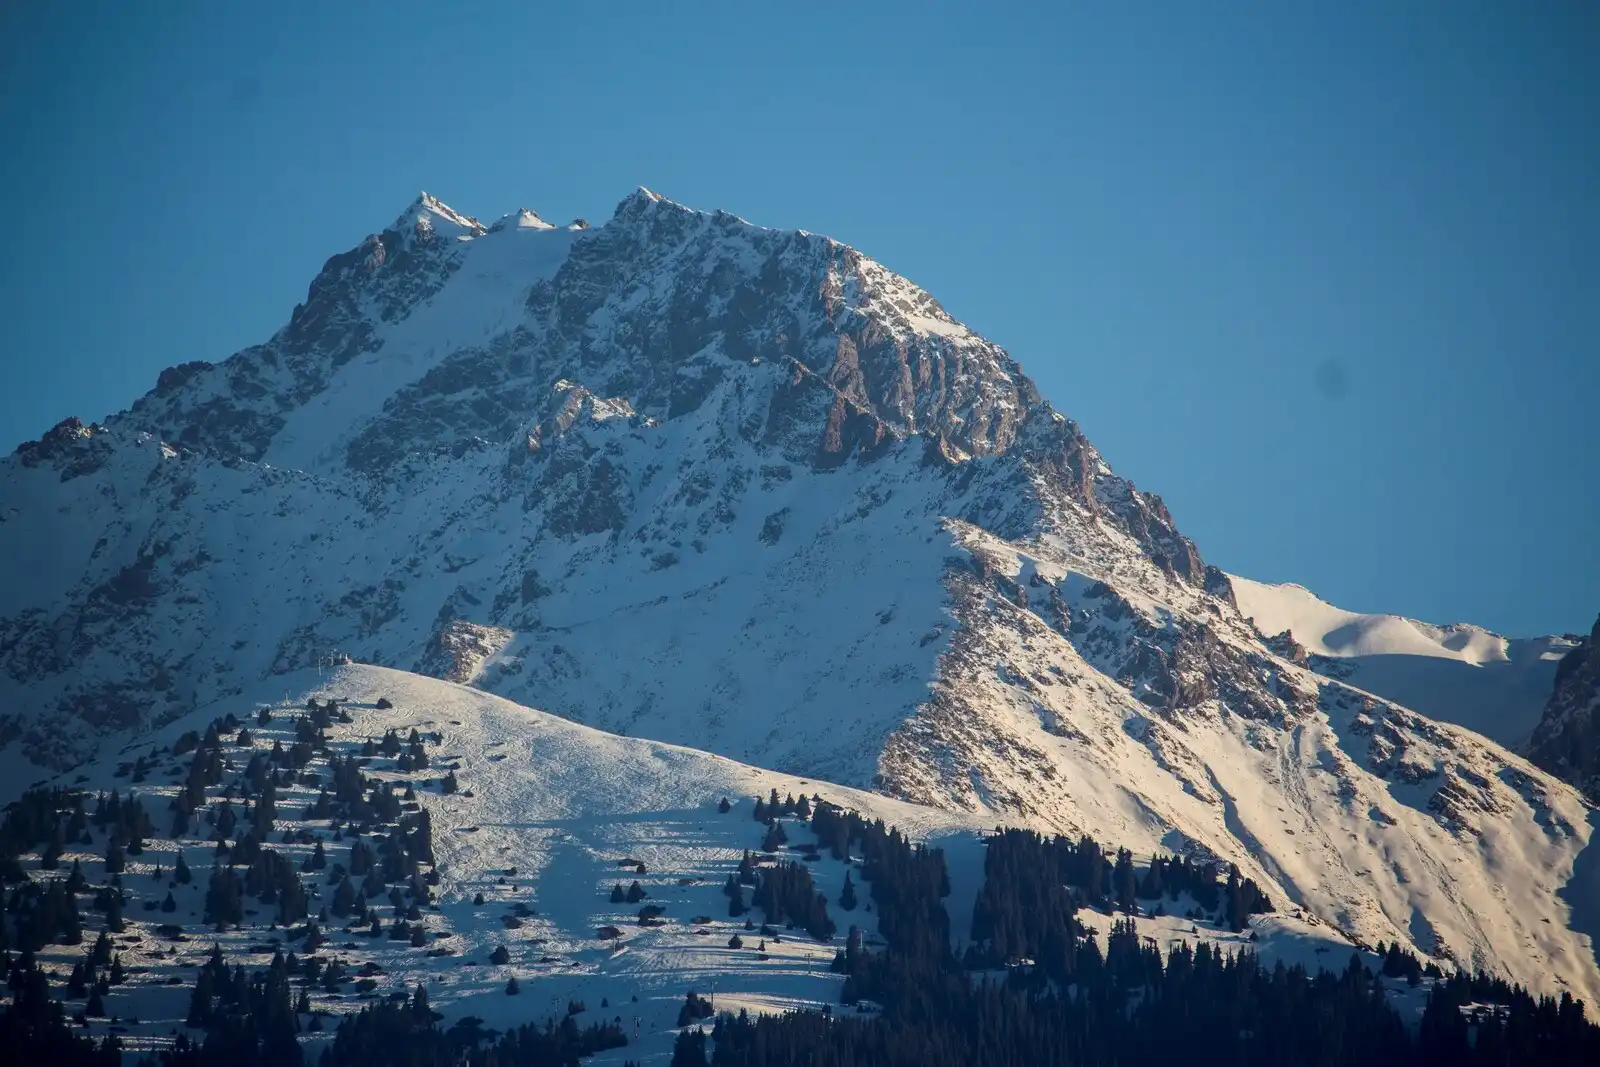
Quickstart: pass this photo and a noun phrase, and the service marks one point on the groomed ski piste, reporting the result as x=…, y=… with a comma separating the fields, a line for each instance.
x=549, y=816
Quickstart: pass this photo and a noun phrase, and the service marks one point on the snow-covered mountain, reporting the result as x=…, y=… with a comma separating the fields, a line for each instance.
x=1459, y=673
x=682, y=477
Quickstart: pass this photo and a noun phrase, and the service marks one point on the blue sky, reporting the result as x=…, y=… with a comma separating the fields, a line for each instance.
x=1328, y=281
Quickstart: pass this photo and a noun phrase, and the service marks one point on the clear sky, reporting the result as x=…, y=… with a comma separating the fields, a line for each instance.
x=1327, y=280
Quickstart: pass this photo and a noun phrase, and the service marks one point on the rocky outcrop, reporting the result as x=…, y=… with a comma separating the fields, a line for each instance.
x=69, y=447
x=1567, y=739
x=236, y=407
x=460, y=649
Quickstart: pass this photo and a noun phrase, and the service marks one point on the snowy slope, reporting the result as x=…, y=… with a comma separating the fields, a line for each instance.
x=1461, y=674
x=562, y=805
x=684, y=478
x=1375, y=819
x=551, y=815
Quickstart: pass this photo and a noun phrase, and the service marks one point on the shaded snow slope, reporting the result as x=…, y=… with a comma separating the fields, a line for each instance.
x=1460, y=673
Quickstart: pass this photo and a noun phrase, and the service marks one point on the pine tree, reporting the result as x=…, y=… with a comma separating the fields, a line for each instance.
x=847, y=898
x=689, y=1050
x=512, y=988
x=77, y=983
x=226, y=820
x=200, y=999
x=181, y=872
x=1123, y=879
x=224, y=905
x=70, y=925
x=1152, y=887
x=344, y=897
x=50, y=858
x=420, y=1011
x=1235, y=908
x=695, y=1007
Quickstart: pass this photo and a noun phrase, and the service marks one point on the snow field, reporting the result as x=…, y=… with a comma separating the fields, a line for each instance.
x=548, y=812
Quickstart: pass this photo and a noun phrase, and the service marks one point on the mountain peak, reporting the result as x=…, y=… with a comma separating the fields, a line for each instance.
x=642, y=202
x=428, y=213
x=521, y=219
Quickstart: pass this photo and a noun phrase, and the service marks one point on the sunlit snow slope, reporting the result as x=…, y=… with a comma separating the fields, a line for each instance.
x=1460, y=673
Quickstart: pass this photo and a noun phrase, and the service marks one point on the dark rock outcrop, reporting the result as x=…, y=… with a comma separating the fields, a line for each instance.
x=1567, y=740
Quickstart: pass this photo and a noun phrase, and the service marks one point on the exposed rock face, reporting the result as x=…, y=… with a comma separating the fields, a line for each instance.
x=683, y=477
x=460, y=649
x=236, y=407
x=1567, y=740
x=68, y=447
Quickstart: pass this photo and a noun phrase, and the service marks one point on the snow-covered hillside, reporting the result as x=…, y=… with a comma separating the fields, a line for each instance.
x=681, y=477
x=549, y=817
x=1461, y=674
